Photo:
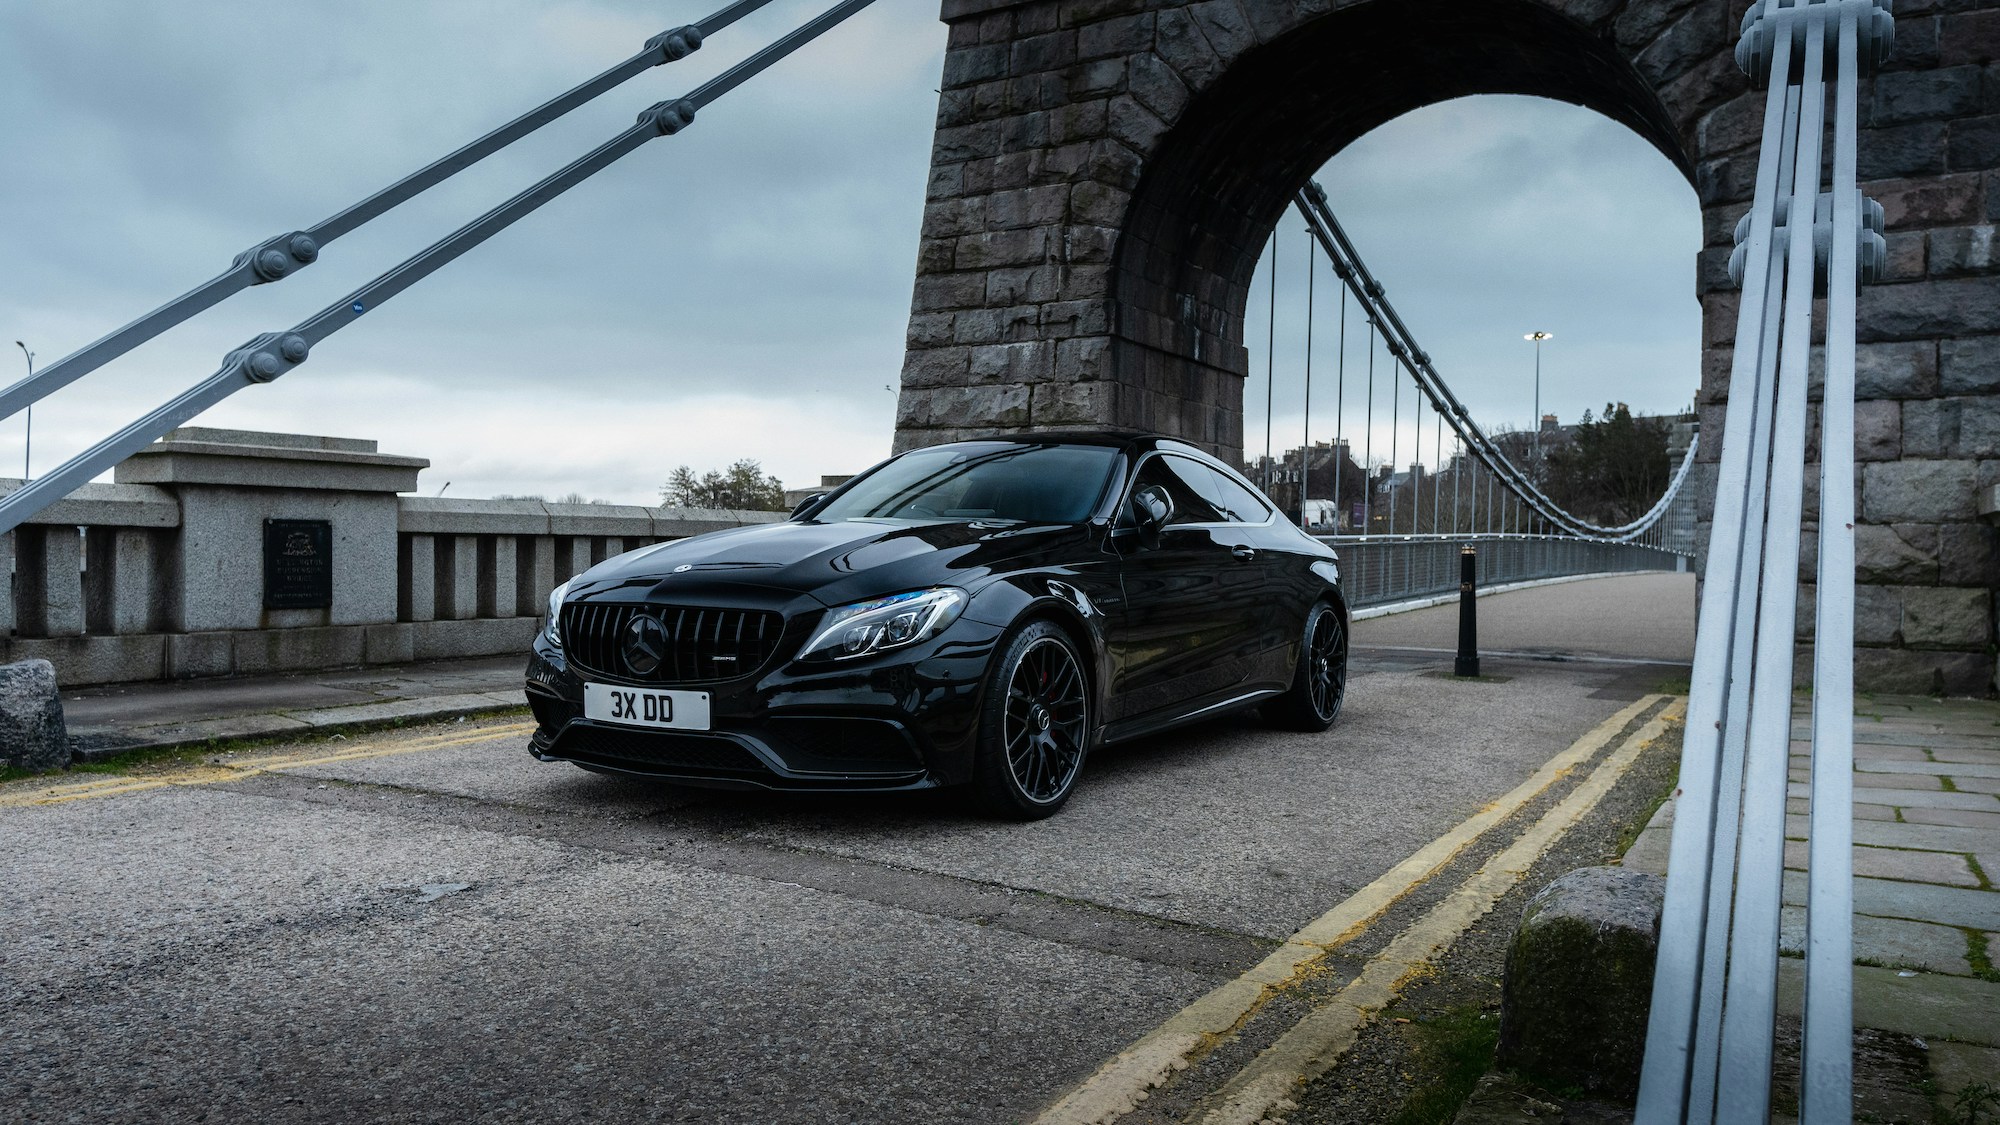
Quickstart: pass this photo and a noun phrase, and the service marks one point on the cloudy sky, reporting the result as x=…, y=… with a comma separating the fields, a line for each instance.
x=738, y=291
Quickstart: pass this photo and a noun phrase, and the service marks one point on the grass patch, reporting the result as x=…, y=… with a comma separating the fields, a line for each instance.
x=141, y=761
x=1455, y=1048
x=1979, y=956
x=1978, y=872
x=1948, y=784
x=1629, y=835
x=1672, y=685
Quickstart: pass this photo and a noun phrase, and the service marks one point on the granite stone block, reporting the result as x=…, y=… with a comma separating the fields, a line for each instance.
x=1579, y=980
x=32, y=733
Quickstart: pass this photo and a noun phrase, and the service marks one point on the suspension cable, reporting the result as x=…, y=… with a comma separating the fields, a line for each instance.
x=1395, y=437
x=1270, y=362
x=279, y=257
x=1437, y=482
x=1340, y=414
x=274, y=354
x=1368, y=449
x=1305, y=456
x=1457, y=471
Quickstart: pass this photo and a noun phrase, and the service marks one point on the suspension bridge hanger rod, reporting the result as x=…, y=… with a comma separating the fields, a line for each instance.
x=269, y=356
x=1325, y=228
x=1312, y=204
x=279, y=257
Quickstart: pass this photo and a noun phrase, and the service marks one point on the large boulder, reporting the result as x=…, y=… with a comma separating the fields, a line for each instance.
x=1580, y=980
x=32, y=734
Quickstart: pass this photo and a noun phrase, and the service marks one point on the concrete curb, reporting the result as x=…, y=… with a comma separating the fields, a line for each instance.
x=280, y=724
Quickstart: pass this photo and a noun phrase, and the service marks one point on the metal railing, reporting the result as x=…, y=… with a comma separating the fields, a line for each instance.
x=1714, y=1007
x=1383, y=570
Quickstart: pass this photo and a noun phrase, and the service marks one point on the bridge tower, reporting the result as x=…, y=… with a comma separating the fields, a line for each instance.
x=1106, y=172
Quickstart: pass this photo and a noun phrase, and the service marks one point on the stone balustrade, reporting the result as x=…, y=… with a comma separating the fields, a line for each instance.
x=163, y=575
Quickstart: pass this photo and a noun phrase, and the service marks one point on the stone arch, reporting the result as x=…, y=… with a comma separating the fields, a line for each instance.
x=1106, y=170
x=1226, y=169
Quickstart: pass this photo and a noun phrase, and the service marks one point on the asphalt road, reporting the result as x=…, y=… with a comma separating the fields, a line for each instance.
x=427, y=925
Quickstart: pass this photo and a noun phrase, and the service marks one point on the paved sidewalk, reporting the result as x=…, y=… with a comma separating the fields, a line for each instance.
x=1927, y=852
x=117, y=718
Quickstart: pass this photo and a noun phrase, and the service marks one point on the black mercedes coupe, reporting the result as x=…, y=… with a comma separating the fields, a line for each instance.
x=983, y=613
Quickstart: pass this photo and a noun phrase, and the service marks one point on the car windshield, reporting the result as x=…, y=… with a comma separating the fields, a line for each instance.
x=983, y=481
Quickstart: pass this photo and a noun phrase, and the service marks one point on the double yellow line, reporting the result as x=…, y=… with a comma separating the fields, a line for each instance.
x=1312, y=1046
x=26, y=795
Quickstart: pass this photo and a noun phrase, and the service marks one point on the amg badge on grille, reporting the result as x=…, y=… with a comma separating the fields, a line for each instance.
x=645, y=645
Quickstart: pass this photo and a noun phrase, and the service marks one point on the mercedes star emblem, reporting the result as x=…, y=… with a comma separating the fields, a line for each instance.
x=645, y=645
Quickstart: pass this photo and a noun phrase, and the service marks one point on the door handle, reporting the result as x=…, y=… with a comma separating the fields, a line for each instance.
x=1243, y=554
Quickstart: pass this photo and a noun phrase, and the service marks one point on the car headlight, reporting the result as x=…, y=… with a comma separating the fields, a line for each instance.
x=880, y=624
x=553, y=630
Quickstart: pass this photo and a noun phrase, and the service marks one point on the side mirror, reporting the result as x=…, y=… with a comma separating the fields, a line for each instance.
x=806, y=505
x=1151, y=509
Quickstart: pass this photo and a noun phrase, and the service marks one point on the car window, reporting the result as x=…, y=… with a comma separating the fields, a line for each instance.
x=1183, y=481
x=987, y=480
x=1236, y=503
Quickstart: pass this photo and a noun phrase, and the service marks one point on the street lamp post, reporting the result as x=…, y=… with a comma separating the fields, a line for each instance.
x=1538, y=337
x=28, y=444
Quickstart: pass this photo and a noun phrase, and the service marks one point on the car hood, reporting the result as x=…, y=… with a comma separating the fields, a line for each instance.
x=833, y=563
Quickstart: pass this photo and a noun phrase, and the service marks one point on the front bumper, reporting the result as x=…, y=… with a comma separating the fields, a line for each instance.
x=903, y=720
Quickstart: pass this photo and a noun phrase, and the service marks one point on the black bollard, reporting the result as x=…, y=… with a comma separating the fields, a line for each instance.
x=1467, y=663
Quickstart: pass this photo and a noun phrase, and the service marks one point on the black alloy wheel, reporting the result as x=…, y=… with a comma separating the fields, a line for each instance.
x=1319, y=686
x=1035, y=727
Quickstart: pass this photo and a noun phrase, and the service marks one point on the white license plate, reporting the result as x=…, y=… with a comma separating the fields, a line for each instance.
x=646, y=707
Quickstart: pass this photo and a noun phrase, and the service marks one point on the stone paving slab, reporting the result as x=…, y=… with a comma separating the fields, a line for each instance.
x=1933, y=1006
x=1880, y=740
x=1895, y=942
x=1989, y=785
x=1950, y=754
x=1928, y=837
x=1895, y=863
x=1919, y=798
x=1802, y=753
x=1886, y=780
x=1800, y=806
x=1956, y=818
x=1919, y=902
x=1950, y=769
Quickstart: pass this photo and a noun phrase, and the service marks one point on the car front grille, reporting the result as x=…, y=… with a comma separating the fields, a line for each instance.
x=691, y=645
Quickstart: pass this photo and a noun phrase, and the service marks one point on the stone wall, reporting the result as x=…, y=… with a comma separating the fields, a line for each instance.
x=160, y=574
x=1105, y=174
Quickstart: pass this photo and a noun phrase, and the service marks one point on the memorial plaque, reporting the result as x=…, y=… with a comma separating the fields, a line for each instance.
x=298, y=564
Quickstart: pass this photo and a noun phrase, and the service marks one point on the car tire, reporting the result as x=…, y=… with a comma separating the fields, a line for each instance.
x=1034, y=725
x=1319, y=684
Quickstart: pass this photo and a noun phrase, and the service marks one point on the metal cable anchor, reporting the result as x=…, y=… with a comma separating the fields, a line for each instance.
x=276, y=258
x=266, y=357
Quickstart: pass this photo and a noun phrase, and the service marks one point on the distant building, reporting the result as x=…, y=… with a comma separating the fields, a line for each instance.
x=1328, y=466
x=796, y=496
